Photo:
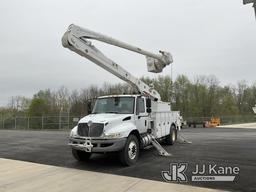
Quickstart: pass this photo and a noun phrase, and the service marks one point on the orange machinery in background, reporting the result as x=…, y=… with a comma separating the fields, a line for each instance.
x=214, y=122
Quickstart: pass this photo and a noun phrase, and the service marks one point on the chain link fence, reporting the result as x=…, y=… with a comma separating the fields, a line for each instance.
x=68, y=122
x=39, y=122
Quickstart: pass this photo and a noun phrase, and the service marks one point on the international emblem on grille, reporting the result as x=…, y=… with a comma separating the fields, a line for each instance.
x=89, y=123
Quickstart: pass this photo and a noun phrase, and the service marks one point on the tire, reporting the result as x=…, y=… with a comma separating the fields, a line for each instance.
x=130, y=153
x=171, y=138
x=81, y=155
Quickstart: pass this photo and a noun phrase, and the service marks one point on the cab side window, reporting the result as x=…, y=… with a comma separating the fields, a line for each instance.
x=140, y=106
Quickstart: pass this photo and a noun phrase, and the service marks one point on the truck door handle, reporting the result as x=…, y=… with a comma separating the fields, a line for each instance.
x=142, y=116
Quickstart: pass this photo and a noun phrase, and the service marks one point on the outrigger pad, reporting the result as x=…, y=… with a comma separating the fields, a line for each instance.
x=165, y=154
x=182, y=139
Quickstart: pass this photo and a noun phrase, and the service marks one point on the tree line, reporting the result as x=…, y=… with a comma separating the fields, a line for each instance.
x=202, y=96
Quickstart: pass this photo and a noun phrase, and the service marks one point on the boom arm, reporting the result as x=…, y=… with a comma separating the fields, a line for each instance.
x=76, y=39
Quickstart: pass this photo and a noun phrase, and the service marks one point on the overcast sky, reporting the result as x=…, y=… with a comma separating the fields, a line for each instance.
x=205, y=37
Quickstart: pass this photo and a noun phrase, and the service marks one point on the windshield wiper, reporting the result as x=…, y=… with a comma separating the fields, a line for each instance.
x=111, y=112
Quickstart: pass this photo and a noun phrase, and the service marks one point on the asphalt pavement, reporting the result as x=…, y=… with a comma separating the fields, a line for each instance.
x=210, y=146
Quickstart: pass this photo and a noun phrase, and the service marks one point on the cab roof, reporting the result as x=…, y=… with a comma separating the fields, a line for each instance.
x=107, y=96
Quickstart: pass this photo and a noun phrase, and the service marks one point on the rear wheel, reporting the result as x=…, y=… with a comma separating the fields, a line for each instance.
x=130, y=153
x=171, y=138
x=81, y=155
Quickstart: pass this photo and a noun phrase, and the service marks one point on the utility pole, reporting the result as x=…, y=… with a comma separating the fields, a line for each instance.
x=172, y=99
x=171, y=86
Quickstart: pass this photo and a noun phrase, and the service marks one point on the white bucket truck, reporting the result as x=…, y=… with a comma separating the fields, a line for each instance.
x=121, y=123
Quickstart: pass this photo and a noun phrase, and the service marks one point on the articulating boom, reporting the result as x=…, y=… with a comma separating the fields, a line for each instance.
x=76, y=39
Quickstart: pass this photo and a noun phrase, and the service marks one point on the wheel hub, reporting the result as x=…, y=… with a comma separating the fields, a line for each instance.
x=132, y=150
x=173, y=135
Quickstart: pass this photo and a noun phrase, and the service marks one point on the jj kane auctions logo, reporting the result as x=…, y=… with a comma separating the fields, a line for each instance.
x=204, y=172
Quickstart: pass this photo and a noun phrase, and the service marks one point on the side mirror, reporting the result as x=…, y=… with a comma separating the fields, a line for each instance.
x=148, y=105
x=89, y=107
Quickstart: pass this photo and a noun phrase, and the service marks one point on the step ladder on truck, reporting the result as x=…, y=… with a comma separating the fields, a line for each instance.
x=121, y=123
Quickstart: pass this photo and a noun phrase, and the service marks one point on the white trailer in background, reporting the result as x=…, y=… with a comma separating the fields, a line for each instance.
x=121, y=123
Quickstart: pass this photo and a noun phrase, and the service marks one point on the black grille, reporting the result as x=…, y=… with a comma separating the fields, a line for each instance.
x=83, y=129
x=95, y=129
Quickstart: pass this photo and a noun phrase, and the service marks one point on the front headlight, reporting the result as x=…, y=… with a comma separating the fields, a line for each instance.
x=112, y=135
x=73, y=132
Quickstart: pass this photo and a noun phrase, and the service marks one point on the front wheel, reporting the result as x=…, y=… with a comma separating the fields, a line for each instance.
x=81, y=155
x=171, y=138
x=130, y=153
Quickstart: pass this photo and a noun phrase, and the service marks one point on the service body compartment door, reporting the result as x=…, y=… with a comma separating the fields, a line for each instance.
x=163, y=121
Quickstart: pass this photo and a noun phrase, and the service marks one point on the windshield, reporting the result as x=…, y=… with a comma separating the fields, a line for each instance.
x=121, y=105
